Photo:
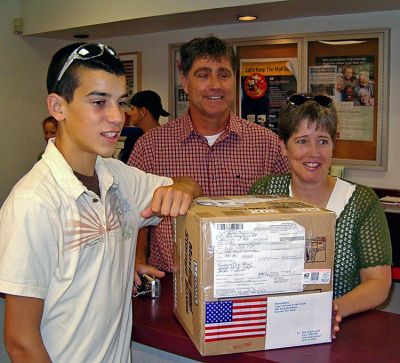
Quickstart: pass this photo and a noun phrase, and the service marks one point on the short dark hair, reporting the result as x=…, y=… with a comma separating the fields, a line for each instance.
x=211, y=47
x=67, y=85
x=50, y=119
x=290, y=117
x=151, y=100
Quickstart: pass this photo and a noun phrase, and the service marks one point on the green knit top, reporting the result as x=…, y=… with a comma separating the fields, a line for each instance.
x=362, y=234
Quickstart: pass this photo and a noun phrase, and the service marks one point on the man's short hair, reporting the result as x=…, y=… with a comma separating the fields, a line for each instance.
x=209, y=47
x=67, y=85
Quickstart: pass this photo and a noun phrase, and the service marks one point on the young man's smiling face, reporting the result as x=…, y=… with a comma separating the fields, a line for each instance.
x=93, y=120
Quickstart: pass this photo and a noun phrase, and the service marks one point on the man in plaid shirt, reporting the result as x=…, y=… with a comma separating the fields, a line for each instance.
x=222, y=152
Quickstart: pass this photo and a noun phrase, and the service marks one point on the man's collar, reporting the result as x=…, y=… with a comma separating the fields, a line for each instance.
x=233, y=126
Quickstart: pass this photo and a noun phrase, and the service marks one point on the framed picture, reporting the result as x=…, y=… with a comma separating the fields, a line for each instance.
x=353, y=70
x=133, y=67
x=178, y=100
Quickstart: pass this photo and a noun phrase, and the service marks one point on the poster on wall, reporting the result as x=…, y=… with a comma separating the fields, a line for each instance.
x=265, y=85
x=349, y=80
x=132, y=64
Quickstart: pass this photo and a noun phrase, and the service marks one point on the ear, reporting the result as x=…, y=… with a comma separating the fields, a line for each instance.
x=283, y=147
x=55, y=104
x=185, y=83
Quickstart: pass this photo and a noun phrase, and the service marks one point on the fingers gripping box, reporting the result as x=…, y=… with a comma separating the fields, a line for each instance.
x=254, y=273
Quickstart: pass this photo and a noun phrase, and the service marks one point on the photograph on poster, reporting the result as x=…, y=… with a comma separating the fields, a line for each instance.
x=265, y=85
x=349, y=80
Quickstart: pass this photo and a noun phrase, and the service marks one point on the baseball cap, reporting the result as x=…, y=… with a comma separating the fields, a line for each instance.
x=151, y=100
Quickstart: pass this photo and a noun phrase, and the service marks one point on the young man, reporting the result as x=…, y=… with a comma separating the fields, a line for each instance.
x=146, y=109
x=144, y=114
x=222, y=152
x=68, y=228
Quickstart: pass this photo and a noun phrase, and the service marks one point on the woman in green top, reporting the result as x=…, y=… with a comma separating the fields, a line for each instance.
x=363, y=254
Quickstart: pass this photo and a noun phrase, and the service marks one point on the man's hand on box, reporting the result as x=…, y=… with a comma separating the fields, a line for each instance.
x=173, y=200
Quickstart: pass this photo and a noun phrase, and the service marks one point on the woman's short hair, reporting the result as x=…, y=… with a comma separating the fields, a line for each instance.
x=291, y=116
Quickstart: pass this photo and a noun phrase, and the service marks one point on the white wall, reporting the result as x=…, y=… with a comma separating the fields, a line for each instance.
x=24, y=61
x=23, y=67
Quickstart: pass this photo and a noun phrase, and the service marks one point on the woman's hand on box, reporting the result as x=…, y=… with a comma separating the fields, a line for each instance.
x=336, y=319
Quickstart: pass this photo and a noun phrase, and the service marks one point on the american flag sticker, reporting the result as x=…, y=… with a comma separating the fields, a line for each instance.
x=235, y=319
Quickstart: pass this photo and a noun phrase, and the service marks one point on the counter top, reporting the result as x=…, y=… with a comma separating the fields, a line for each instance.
x=369, y=337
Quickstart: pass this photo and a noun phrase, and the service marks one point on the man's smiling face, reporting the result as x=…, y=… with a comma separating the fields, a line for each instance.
x=210, y=86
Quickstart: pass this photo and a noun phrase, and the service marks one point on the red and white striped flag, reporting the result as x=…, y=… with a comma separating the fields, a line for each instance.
x=234, y=319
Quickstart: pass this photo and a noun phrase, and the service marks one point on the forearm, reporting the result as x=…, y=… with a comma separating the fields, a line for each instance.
x=173, y=200
x=368, y=295
x=35, y=351
x=142, y=245
x=22, y=334
x=142, y=252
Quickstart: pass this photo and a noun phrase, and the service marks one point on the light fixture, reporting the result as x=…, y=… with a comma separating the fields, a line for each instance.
x=341, y=42
x=247, y=17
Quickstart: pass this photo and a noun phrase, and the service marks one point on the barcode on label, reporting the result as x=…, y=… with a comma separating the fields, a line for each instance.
x=314, y=276
x=229, y=226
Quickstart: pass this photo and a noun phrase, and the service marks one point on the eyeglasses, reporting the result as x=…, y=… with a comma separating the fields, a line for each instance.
x=85, y=52
x=298, y=100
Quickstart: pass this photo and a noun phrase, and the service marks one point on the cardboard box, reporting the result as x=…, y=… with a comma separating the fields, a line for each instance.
x=254, y=273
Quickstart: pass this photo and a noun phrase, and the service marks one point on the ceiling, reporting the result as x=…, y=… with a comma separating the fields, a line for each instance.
x=222, y=16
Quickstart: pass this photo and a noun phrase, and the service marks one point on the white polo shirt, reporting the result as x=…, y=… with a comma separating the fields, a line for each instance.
x=62, y=243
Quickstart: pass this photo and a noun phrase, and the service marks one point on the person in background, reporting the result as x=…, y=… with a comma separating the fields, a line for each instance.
x=49, y=126
x=146, y=109
x=68, y=228
x=222, y=152
x=145, y=112
x=363, y=253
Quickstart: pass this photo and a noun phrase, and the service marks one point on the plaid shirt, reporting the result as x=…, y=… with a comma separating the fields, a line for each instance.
x=243, y=153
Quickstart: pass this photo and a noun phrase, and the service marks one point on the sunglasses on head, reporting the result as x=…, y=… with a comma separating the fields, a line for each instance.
x=85, y=52
x=298, y=100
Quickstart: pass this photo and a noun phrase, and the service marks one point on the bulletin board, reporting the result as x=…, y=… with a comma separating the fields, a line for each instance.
x=353, y=70
x=273, y=68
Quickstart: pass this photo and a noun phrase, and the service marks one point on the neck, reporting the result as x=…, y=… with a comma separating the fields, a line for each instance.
x=208, y=126
x=314, y=193
x=148, y=124
x=83, y=163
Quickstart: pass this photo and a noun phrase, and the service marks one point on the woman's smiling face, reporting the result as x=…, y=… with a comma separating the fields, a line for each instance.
x=309, y=152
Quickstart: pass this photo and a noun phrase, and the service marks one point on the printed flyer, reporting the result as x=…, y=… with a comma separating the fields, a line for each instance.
x=265, y=85
x=349, y=80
